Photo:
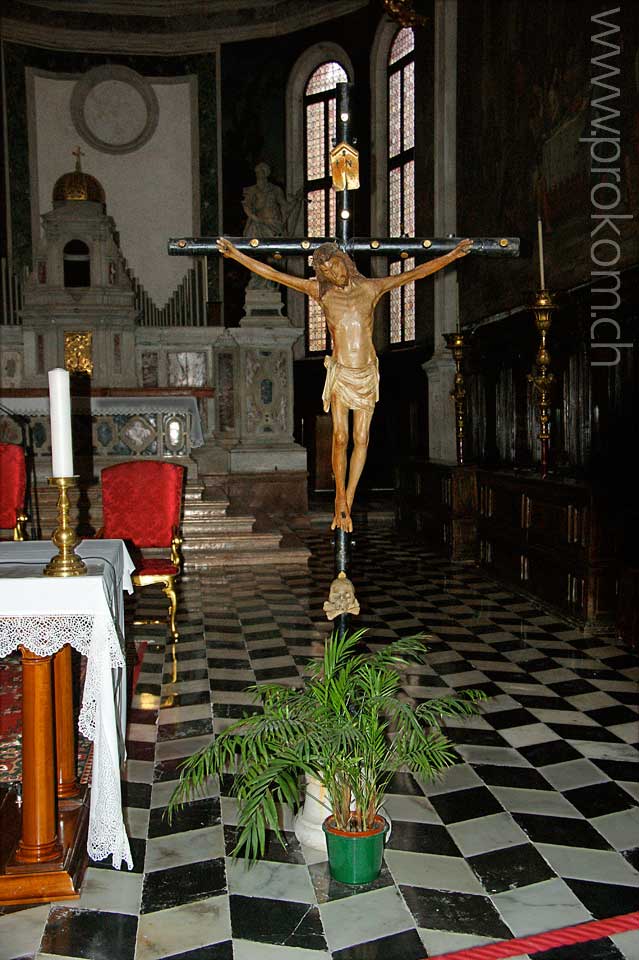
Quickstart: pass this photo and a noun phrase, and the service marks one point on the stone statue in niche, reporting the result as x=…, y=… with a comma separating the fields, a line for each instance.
x=267, y=215
x=348, y=302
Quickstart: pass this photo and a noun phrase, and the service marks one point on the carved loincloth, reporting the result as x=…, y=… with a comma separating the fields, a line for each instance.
x=356, y=387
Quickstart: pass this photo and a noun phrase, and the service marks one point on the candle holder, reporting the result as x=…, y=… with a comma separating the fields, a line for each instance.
x=455, y=343
x=541, y=378
x=66, y=563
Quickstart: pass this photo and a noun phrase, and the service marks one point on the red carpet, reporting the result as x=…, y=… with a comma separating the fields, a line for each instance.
x=581, y=933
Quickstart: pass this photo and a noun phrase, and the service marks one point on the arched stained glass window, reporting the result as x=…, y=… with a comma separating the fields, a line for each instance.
x=401, y=174
x=320, y=129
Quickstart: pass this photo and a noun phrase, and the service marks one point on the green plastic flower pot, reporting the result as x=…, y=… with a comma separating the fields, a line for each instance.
x=355, y=857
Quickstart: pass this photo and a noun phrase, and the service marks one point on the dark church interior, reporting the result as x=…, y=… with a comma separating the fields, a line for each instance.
x=496, y=513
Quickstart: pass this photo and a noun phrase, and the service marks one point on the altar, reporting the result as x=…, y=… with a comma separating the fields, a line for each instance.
x=43, y=850
x=123, y=423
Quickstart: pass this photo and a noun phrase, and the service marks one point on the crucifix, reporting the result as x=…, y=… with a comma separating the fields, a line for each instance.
x=77, y=153
x=348, y=301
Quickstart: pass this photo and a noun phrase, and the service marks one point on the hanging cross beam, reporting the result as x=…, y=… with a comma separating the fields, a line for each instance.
x=397, y=247
x=400, y=247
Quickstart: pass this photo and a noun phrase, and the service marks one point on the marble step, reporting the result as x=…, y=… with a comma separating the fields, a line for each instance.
x=232, y=542
x=202, y=526
x=195, y=500
x=266, y=544
x=205, y=509
x=193, y=490
x=247, y=556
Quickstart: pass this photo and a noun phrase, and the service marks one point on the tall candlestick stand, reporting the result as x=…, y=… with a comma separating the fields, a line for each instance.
x=541, y=378
x=455, y=343
x=66, y=563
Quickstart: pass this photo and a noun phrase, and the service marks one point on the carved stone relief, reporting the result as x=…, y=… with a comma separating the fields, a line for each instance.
x=266, y=397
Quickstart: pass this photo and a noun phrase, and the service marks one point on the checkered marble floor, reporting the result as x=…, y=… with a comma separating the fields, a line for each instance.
x=536, y=828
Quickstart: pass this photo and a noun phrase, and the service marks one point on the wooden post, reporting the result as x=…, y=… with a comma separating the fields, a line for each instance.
x=50, y=858
x=39, y=839
x=64, y=732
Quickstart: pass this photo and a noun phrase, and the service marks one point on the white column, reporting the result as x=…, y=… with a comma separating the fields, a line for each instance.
x=440, y=368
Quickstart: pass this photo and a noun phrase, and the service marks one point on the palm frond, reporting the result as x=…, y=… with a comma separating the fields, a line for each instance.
x=350, y=726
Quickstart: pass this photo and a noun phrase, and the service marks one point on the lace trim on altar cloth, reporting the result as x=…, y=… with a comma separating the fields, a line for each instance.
x=107, y=835
x=96, y=638
x=46, y=635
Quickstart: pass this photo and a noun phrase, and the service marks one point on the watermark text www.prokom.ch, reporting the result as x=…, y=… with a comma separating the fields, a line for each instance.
x=605, y=193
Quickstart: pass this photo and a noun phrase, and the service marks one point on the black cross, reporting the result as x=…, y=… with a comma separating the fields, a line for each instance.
x=396, y=247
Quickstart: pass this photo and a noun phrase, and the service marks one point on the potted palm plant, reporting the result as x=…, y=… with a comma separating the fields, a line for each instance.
x=352, y=728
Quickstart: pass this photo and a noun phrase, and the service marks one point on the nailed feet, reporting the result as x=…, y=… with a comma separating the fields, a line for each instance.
x=342, y=519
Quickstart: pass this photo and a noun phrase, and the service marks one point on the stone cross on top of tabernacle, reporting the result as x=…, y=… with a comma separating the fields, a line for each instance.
x=347, y=300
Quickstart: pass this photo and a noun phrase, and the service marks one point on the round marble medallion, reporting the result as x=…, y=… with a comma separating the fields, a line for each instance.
x=114, y=109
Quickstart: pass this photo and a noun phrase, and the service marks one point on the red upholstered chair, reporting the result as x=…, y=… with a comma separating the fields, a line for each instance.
x=141, y=503
x=13, y=487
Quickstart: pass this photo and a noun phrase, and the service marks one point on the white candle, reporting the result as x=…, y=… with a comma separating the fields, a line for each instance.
x=540, y=243
x=60, y=414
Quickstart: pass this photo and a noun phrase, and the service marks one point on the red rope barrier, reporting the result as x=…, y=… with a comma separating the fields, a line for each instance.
x=593, y=930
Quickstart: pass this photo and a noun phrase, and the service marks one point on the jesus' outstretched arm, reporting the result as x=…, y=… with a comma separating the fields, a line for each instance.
x=227, y=249
x=384, y=284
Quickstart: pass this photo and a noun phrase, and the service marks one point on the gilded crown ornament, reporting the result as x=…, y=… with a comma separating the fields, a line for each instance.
x=78, y=185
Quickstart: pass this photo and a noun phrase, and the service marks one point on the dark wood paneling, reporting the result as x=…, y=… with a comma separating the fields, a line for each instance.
x=549, y=538
x=440, y=502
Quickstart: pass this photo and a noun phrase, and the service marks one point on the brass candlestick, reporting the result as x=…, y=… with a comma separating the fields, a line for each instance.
x=541, y=378
x=66, y=563
x=455, y=343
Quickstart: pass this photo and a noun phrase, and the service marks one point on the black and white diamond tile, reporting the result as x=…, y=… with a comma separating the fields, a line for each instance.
x=534, y=828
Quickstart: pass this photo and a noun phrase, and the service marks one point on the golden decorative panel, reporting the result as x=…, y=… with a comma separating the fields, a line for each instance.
x=345, y=167
x=77, y=352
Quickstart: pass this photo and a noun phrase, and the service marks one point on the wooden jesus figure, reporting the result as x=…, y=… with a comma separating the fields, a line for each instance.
x=348, y=301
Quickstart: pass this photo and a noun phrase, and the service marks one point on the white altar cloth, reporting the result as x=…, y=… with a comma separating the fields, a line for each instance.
x=43, y=613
